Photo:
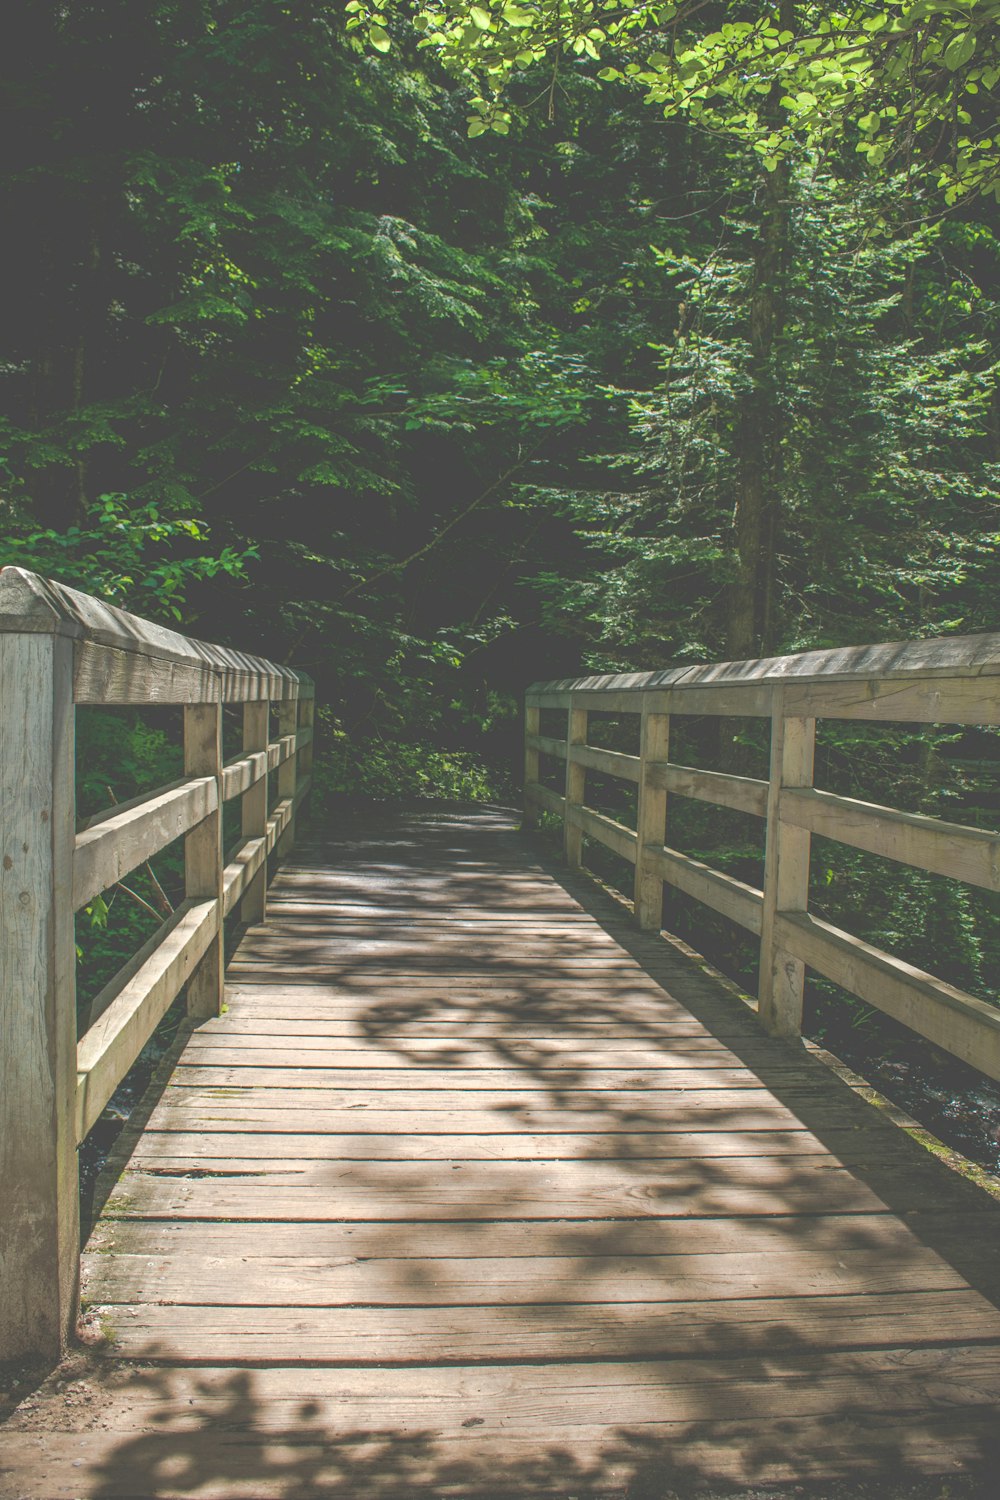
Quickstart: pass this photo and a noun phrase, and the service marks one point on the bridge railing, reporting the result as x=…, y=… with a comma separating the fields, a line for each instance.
x=948, y=681
x=58, y=649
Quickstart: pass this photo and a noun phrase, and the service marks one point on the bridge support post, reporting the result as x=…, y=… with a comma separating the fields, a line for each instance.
x=203, y=852
x=786, y=871
x=651, y=821
x=288, y=723
x=576, y=782
x=39, y=1188
x=532, y=727
x=256, y=717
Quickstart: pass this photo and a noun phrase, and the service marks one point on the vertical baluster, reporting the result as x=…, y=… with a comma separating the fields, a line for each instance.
x=38, y=1168
x=532, y=726
x=651, y=821
x=253, y=907
x=786, y=871
x=576, y=783
x=203, y=852
x=288, y=723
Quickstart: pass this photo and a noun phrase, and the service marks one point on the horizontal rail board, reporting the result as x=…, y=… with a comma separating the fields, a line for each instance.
x=724, y=893
x=120, y=658
x=744, y=793
x=547, y=745
x=930, y=700
x=151, y=983
x=545, y=797
x=241, y=869
x=969, y=854
x=608, y=762
x=963, y=1025
x=109, y=849
x=606, y=831
x=240, y=775
x=278, y=751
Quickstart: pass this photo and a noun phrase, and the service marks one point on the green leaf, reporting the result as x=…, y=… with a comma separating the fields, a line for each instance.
x=959, y=50
x=380, y=39
x=480, y=17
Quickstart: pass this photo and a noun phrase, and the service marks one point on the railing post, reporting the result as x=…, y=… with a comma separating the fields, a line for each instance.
x=651, y=821
x=203, y=852
x=576, y=781
x=786, y=871
x=532, y=726
x=288, y=723
x=39, y=1188
x=256, y=716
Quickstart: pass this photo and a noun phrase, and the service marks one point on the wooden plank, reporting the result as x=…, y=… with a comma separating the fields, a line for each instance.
x=391, y=1191
x=400, y=1335
x=246, y=864
x=403, y=1075
x=177, y=1147
x=572, y=1281
x=724, y=893
x=547, y=746
x=288, y=773
x=786, y=873
x=608, y=762
x=923, y=700
x=203, y=855
x=378, y=1050
x=240, y=775
x=252, y=880
x=606, y=831
x=126, y=1022
x=961, y=1024
x=961, y=853
x=108, y=850
x=744, y=793
x=38, y=1174
x=121, y=658
x=542, y=796
x=877, y=1234
x=532, y=726
x=576, y=784
x=651, y=818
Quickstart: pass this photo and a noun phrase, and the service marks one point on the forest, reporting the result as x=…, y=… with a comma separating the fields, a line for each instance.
x=437, y=348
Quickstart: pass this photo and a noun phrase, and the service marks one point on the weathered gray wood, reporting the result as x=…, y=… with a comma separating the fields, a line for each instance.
x=288, y=719
x=724, y=893
x=971, y=656
x=744, y=793
x=969, y=854
x=39, y=1223
x=150, y=985
x=547, y=745
x=532, y=726
x=961, y=1024
x=607, y=831
x=106, y=851
x=121, y=658
x=203, y=854
x=543, y=796
x=608, y=762
x=786, y=872
x=253, y=813
x=576, y=781
x=650, y=821
x=240, y=775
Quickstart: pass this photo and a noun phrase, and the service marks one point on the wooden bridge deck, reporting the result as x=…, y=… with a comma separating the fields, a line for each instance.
x=475, y=1190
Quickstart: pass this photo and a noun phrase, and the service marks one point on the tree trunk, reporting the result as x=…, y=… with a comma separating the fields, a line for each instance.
x=757, y=510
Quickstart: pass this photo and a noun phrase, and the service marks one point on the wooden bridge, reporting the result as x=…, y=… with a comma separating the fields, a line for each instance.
x=468, y=1183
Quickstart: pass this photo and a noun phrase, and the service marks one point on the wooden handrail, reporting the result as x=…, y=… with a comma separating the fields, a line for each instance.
x=952, y=681
x=60, y=648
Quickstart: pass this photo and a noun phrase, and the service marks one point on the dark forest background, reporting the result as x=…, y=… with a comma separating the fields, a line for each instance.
x=290, y=360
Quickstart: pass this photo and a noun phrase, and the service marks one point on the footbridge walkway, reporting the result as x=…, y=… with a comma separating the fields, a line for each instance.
x=462, y=1178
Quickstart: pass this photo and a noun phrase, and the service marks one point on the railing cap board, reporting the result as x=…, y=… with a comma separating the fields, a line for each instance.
x=29, y=603
x=948, y=656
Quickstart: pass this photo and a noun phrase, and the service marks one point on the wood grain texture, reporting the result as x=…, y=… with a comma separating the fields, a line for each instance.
x=511, y=1199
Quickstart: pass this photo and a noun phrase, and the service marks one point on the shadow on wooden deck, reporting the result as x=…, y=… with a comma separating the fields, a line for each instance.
x=618, y=1283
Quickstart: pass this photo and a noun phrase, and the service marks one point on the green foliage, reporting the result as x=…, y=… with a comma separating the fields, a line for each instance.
x=387, y=771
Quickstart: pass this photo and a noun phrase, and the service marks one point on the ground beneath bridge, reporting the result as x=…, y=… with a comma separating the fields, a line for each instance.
x=475, y=1191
